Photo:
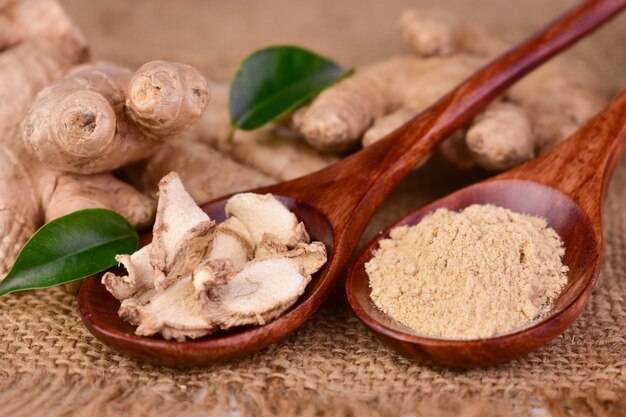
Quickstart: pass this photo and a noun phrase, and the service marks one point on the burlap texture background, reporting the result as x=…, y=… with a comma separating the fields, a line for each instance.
x=50, y=364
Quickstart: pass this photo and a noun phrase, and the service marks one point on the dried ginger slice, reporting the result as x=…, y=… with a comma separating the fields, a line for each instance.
x=309, y=256
x=140, y=277
x=231, y=241
x=258, y=293
x=173, y=312
x=181, y=233
x=265, y=214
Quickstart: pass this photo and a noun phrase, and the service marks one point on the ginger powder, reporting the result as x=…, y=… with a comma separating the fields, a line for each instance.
x=472, y=274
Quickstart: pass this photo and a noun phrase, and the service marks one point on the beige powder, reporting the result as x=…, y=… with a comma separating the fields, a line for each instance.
x=473, y=274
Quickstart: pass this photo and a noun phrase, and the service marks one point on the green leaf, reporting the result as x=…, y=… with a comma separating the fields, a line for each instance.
x=70, y=248
x=274, y=81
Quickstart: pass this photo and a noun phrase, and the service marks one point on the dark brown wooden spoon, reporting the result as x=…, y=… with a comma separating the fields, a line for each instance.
x=565, y=186
x=336, y=203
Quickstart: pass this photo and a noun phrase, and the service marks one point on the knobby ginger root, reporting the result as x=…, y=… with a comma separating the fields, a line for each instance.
x=74, y=192
x=38, y=45
x=259, y=158
x=501, y=137
x=102, y=117
x=542, y=109
x=166, y=97
x=27, y=64
x=559, y=97
x=337, y=119
x=220, y=284
x=278, y=153
x=22, y=20
x=206, y=172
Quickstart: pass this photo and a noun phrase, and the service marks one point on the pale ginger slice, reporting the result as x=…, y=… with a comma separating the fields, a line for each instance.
x=501, y=137
x=173, y=312
x=140, y=277
x=269, y=246
x=231, y=241
x=265, y=214
x=181, y=233
x=257, y=294
x=309, y=256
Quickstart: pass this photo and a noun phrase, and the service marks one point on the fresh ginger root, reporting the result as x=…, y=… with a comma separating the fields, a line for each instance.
x=207, y=173
x=58, y=131
x=438, y=34
x=532, y=116
x=27, y=64
x=510, y=125
x=166, y=97
x=102, y=117
x=21, y=20
x=277, y=152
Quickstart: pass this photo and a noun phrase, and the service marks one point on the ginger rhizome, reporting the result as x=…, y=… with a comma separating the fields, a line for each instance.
x=529, y=119
x=99, y=117
x=66, y=124
x=196, y=277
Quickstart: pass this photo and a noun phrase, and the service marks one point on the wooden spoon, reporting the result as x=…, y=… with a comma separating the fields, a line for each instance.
x=336, y=203
x=565, y=186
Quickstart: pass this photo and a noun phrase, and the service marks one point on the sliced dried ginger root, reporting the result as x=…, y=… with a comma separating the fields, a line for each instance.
x=158, y=294
x=174, y=313
x=257, y=294
x=309, y=256
x=231, y=241
x=265, y=214
x=139, y=278
x=181, y=234
x=195, y=278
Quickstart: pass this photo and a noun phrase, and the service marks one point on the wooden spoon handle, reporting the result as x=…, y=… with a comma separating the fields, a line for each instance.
x=581, y=166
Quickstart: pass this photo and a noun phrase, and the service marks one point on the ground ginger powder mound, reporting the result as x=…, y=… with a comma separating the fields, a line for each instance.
x=472, y=274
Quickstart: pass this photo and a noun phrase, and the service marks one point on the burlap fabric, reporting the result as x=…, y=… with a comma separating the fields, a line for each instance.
x=51, y=366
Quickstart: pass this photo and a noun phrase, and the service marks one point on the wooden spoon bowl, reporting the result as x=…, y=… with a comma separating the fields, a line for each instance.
x=566, y=187
x=98, y=308
x=562, y=214
x=337, y=203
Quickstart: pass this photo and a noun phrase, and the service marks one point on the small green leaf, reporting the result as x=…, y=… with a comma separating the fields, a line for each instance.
x=70, y=248
x=274, y=81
